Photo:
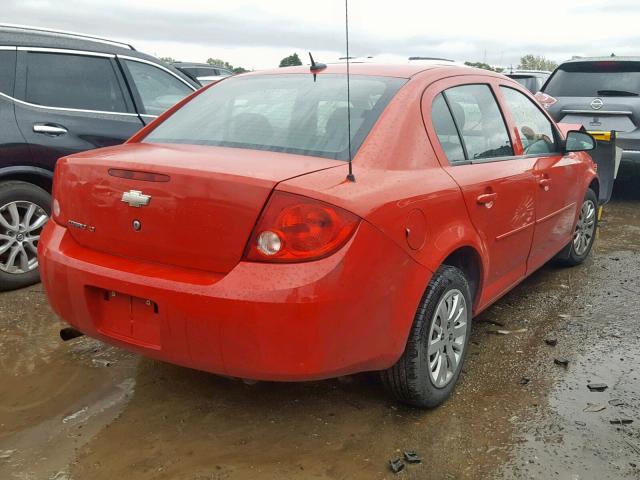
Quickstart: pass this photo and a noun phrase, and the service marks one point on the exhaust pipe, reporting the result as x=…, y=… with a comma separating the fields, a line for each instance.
x=70, y=333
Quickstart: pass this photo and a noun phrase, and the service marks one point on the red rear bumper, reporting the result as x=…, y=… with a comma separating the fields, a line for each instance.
x=346, y=313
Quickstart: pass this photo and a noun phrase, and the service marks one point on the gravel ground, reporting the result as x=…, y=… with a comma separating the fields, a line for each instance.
x=84, y=410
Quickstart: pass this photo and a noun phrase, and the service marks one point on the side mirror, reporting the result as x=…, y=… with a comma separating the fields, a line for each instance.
x=579, y=142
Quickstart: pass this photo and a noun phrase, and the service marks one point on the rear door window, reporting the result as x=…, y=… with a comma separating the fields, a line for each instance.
x=479, y=121
x=595, y=79
x=7, y=71
x=73, y=81
x=535, y=129
x=158, y=89
x=446, y=130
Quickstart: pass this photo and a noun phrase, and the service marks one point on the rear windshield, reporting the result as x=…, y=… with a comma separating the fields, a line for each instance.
x=595, y=79
x=282, y=113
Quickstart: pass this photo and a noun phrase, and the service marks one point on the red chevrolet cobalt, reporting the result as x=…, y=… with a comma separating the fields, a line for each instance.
x=226, y=236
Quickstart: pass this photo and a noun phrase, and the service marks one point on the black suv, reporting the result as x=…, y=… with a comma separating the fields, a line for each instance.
x=601, y=94
x=62, y=93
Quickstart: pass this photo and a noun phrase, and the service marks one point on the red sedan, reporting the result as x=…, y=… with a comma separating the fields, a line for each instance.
x=226, y=236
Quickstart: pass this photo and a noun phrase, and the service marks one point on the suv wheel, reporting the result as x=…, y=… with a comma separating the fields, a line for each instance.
x=584, y=235
x=24, y=210
x=428, y=370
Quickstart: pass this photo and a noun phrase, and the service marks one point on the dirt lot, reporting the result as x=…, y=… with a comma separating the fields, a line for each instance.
x=83, y=410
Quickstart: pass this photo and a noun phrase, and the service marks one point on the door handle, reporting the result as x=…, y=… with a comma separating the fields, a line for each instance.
x=545, y=183
x=487, y=199
x=47, y=129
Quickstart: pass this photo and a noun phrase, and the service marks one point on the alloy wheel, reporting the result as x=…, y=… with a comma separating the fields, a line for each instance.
x=585, y=228
x=447, y=338
x=21, y=223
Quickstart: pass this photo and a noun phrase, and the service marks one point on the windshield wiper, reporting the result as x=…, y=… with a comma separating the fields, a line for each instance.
x=617, y=93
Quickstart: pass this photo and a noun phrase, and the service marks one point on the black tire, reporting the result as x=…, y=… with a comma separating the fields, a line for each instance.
x=12, y=191
x=569, y=256
x=409, y=380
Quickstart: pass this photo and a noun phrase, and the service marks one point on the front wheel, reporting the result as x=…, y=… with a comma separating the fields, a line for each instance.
x=584, y=234
x=430, y=366
x=24, y=210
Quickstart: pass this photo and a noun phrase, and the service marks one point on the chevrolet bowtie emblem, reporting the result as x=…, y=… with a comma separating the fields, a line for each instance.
x=135, y=198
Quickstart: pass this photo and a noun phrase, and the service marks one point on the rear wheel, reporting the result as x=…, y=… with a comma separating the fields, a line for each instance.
x=429, y=368
x=584, y=235
x=24, y=210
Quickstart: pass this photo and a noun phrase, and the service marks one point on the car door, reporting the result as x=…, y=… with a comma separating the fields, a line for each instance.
x=557, y=176
x=155, y=88
x=14, y=151
x=475, y=149
x=71, y=101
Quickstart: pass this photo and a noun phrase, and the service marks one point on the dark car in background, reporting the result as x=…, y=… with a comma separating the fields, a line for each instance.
x=62, y=93
x=603, y=95
x=203, y=73
x=532, y=80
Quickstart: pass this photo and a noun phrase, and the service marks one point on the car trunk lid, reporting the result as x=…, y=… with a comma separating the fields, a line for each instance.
x=203, y=202
x=600, y=113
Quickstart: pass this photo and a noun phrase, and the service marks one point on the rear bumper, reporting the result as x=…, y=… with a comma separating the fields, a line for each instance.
x=346, y=313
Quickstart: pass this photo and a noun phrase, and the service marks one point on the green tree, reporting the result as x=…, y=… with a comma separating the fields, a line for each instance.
x=290, y=61
x=536, y=62
x=484, y=66
x=220, y=63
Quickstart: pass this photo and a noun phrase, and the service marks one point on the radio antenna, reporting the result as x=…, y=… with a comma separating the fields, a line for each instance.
x=350, y=175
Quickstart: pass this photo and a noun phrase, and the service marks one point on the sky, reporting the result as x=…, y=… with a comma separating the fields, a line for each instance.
x=258, y=34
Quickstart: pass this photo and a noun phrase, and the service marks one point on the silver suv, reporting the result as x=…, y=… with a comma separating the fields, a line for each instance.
x=602, y=94
x=532, y=80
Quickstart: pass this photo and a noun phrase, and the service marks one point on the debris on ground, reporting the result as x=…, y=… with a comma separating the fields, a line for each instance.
x=597, y=387
x=561, y=361
x=552, y=342
x=594, y=407
x=524, y=380
x=4, y=454
x=100, y=362
x=507, y=332
x=621, y=421
x=493, y=322
x=564, y=315
x=411, y=457
x=580, y=424
x=396, y=465
x=75, y=415
x=616, y=402
x=60, y=476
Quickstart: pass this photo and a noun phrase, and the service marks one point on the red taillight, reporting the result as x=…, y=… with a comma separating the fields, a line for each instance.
x=545, y=100
x=293, y=228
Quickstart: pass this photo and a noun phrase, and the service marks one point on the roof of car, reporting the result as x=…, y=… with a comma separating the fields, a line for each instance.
x=196, y=64
x=603, y=59
x=24, y=36
x=527, y=72
x=399, y=70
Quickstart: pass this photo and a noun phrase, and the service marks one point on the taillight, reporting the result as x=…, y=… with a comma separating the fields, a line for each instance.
x=545, y=100
x=293, y=228
x=56, y=210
